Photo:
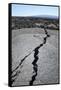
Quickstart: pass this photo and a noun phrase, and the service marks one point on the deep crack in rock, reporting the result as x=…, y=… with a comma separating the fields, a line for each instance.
x=21, y=62
x=36, y=51
x=17, y=72
x=35, y=66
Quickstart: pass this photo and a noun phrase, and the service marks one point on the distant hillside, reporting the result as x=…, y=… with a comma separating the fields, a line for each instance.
x=46, y=16
x=50, y=22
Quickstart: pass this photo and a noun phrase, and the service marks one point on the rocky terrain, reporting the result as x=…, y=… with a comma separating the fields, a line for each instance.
x=34, y=56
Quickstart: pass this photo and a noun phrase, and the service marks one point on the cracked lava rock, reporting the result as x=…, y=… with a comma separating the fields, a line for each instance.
x=34, y=57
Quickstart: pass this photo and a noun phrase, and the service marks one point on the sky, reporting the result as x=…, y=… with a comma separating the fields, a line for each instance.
x=32, y=10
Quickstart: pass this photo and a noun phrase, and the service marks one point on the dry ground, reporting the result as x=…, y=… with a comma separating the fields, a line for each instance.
x=24, y=41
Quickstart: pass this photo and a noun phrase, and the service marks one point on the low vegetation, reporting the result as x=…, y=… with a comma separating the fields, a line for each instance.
x=34, y=22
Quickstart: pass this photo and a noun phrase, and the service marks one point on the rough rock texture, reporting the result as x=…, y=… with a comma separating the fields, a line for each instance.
x=34, y=56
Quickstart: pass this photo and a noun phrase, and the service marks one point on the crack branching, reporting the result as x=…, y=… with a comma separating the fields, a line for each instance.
x=35, y=66
x=21, y=62
x=14, y=77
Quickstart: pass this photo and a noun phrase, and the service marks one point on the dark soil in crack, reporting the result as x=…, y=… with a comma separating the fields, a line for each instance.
x=36, y=51
x=14, y=77
x=21, y=62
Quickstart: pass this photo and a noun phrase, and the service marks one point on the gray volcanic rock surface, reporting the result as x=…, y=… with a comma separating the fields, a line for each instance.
x=33, y=59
